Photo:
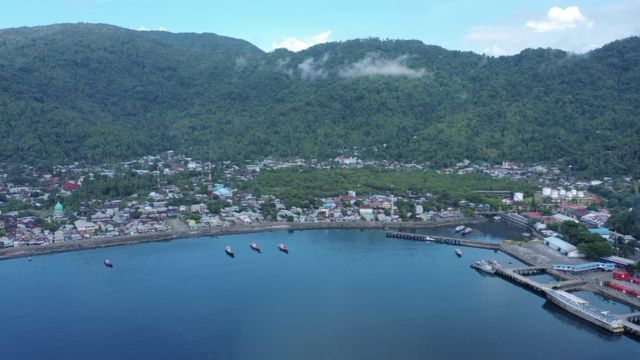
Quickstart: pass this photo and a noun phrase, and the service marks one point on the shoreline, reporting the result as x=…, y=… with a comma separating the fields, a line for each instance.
x=94, y=243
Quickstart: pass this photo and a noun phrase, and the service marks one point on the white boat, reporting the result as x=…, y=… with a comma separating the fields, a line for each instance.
x=497, y=218
x=482, y=265
x=494, y=264
x=458, y=252
x=467, y=230
x=254, y=246
x=459, y=228
x=229, y=251
x=581, y=308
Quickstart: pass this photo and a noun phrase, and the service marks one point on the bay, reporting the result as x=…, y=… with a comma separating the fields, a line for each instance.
x=346, y=294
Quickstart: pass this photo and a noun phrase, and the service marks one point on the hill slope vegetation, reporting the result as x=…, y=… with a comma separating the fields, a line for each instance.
x=99, y=93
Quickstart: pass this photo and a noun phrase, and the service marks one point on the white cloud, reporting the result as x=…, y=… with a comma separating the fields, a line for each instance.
x=559, y=19
x=296, y=44
x=571, y=29
x=374, y=65
x=142, y=28
x=312, y=69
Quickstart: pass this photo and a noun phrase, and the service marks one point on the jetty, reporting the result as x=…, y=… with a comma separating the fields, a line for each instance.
x=448, y=240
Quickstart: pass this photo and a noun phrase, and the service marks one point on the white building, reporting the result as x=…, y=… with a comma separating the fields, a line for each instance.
x=563, y=247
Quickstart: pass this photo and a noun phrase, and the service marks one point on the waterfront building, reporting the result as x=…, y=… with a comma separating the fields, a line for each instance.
x=562, y=246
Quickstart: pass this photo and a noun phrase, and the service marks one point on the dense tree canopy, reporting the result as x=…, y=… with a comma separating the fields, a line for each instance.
x=99, y=92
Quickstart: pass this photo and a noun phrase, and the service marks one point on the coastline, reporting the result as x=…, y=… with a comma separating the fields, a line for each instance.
x=93, y=243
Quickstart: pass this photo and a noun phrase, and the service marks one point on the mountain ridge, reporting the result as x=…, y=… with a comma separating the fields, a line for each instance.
x=102, y=93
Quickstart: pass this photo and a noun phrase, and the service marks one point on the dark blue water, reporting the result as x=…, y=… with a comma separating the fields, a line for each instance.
x=339, y=295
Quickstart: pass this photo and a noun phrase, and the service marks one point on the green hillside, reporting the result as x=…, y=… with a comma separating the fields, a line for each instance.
x=100, y=93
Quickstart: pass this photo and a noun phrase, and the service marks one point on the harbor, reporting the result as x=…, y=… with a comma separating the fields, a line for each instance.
x=557, y=292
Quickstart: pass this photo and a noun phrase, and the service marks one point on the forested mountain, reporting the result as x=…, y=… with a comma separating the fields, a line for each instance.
x=100, y=93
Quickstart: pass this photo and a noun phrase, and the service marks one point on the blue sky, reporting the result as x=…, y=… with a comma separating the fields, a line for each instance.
x=489, y=26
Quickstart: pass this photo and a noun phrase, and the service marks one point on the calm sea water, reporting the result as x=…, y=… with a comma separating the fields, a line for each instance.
x=340, y=294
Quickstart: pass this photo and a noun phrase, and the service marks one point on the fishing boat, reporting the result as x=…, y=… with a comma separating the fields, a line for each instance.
x=229, y=251
x=108, y=263
x=459, y=228
x=466, y=231
x=254, y=246
x=458, y=252
x=283, y=248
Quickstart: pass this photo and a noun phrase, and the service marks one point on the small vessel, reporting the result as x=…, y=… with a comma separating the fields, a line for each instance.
x=458, y=252
x=108, y=263
x=29, y=258
x=283, y=248
x=459, y=228
x=254, y=246
x=497, y=218
x=484, y=266
x=229, y=251
x=581, y=308
x=494, y=264
x=466, y=231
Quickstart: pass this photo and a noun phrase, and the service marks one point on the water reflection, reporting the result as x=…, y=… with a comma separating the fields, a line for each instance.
x=579, y=323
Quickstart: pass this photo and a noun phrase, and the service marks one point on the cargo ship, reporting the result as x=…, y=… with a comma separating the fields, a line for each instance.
x=581, y=308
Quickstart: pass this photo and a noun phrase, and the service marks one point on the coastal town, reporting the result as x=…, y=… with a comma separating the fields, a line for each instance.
x=170, y=192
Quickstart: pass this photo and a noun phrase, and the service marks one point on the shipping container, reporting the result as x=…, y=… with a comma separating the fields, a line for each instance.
x=621, y=276
x=623, y=289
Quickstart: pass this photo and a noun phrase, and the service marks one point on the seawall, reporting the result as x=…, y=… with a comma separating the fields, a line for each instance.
x=93, y=243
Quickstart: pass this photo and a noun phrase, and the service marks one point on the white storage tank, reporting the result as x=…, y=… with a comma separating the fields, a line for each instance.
x=562, y=192
x=574, y=192
x=580, y=194
x=554, y=194
x=546, y=191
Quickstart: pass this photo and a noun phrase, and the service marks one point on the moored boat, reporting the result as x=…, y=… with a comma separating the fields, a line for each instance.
x=467, y=230
x=229, y=251
x=459, y=228
x=108, y=263
x=254, y=246
x=458, y=252
x=283, y=248
x=484, y=266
